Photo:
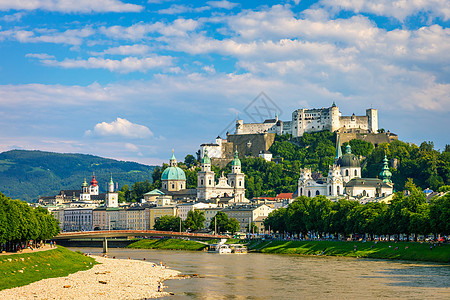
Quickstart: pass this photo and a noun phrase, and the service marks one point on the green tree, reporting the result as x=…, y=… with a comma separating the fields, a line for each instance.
x=195, y=220
x=190, y=161
x=276, y=220
x=169, y=223
x=223, y=223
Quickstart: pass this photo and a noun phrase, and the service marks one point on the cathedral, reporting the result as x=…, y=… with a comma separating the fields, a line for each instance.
x=344, y=178
x=173, y=181
x=232, y=186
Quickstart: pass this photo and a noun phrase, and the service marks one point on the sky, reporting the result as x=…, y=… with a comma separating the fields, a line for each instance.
x=132, y=80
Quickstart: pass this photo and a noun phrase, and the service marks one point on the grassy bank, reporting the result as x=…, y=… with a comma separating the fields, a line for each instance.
x=22, y=269
x=167, y=244
x=384, y=250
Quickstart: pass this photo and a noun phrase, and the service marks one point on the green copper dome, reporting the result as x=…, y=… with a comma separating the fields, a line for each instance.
x=173, y=172
x=236, y=161
x=84, y=184
x=348, y=160
x=385, y=174
x=206, y=159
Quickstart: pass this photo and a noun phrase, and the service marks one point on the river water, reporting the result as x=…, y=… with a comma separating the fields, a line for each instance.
x=271, y=276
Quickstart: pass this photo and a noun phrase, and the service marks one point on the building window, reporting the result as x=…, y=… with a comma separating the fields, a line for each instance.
x=173, y=185
x=356, y=172
x=330, y=190
x=346, y=172
x=201, y=182
x=309, y=193
x=338, y=192
x=210, y=182
x=317, y=193
x=301, y=191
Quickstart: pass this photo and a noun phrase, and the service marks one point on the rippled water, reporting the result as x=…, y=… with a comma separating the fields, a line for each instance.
x=267, y=276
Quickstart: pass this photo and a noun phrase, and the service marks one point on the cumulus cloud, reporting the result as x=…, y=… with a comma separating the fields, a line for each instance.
x=40, y=55
x=176, y=9
x=222, y=4
x=120, y=127
x=69, y=37
x=70, y=6
x=126, y=65
x=12, y=18
x=137, y=49
x=398, y=9
x=138, y=31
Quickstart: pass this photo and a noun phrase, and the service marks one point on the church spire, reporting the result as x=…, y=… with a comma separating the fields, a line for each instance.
x=385, y=174
x=338, y=147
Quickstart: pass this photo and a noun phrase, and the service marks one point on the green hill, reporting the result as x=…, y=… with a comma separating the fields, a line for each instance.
x=27, y=175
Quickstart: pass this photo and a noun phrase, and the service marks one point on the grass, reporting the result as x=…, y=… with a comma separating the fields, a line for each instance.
x=167, y=244
x=384, y=250
x=22, y=269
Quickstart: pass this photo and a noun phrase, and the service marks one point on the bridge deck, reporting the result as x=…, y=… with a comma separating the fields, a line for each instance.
x=128, y=233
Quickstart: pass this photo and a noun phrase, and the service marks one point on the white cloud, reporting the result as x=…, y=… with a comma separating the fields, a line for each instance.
x=70, y=6
x=131, y=147
x=13, y=18
x=126, y=65
x=40, y=55
x=222, y=4
x=138, y=31
x=176, y=9
x=69, y=37
x=137, y=49
x=120, y=127
x=398, y=9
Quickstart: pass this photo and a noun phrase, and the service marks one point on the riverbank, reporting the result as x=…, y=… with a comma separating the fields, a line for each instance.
x=107, y=279
x=380, y=250
x=25, y=268
x=168, y=244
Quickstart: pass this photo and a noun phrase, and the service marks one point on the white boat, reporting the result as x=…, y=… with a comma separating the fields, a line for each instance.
x=221, y=247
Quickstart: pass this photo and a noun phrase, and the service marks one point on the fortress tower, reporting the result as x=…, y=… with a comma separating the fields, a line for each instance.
x=372, y=114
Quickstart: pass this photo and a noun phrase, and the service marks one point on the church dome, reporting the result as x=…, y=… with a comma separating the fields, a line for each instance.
x=93, y=181
x=348, y=160
x=173, y=173
x=84, y=184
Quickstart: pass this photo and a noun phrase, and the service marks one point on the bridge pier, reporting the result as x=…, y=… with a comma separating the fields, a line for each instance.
x=105, y=245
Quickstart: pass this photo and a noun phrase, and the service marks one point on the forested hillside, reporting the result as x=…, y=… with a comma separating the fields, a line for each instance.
x=427, y=167
x=27, y=175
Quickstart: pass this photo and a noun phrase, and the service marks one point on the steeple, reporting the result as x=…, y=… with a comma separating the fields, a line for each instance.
x=111, y=185
x=338, y=147
x=173, y=160
x=348, y=149
x=385, y=174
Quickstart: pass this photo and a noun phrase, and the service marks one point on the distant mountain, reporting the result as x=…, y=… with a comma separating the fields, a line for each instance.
x=27, y=175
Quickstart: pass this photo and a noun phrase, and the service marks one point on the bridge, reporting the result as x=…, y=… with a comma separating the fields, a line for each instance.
x=132, y=233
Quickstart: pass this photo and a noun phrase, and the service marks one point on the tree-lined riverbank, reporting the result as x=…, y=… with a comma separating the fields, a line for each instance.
x=380, y=250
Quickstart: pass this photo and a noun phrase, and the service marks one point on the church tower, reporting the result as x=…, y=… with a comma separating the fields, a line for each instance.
x=112, y=197
x=236, y=179
x=93, y=188
x=335, y=183
x=205, y=179
x=85, y=195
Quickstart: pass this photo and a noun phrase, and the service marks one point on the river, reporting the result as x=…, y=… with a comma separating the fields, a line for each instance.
x=269, y=276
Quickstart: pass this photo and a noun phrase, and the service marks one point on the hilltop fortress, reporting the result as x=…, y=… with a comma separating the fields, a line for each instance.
x=255, y=139
x=312, y=120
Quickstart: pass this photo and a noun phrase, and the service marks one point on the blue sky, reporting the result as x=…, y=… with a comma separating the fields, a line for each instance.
x=132, y=80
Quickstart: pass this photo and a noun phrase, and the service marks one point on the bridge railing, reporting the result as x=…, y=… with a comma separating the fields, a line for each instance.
x=101, y=233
